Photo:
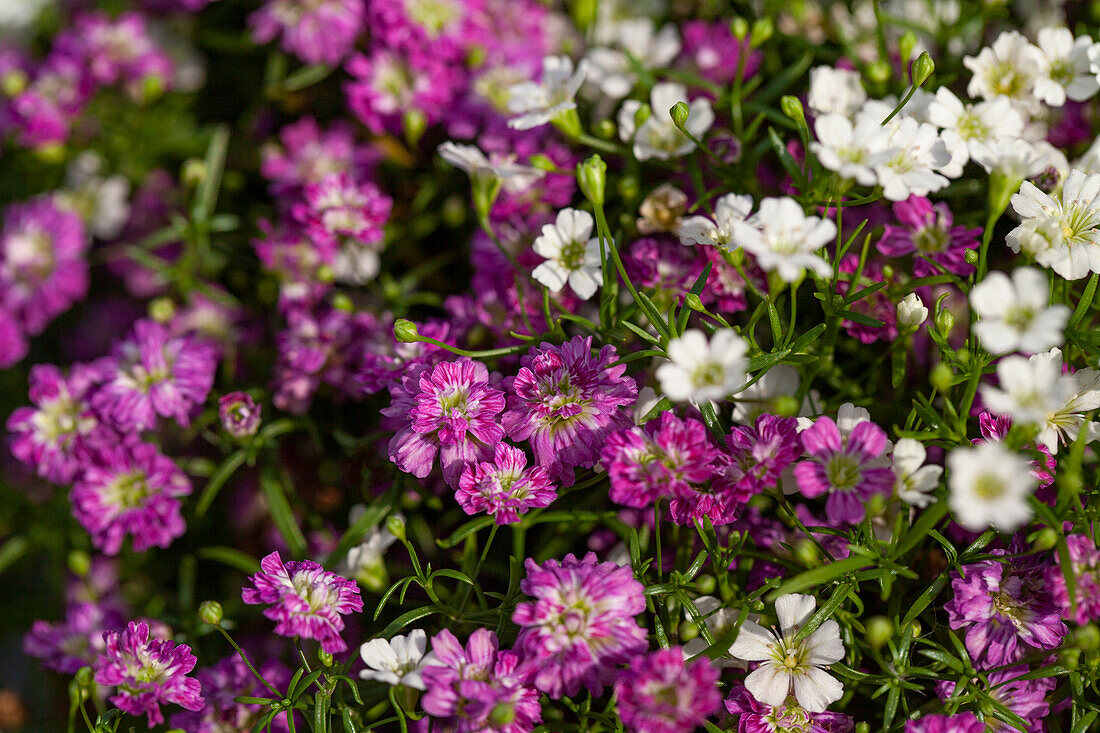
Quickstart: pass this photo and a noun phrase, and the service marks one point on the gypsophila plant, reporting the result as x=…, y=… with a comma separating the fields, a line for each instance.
x=550, y=366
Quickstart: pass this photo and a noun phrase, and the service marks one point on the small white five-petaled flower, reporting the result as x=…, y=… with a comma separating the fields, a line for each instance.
x=397, y=661
x=699, y=370
x=786, y=663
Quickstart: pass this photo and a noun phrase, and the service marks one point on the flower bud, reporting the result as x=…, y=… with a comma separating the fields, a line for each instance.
x=406, y=331
x=395, y=525
x=414, y=123
x=762, y=30
x=786, y=405
x=1087, y=638
x=1044, y=539
x=592, y=177
x=239, y=413
x=162, y=310
x=876, y=505
x=878, y=72
x=688, y=631
x=805, y=552
x=604, y=129
x=79, y=563
x=679, y=113
x=706, y=584
x=941, y=377
x=945, y=321
x=911, y=312
x=923, y=68
x=211, y=612
x=326, y=658
x=543, y=163
x=739, y=28
x=628, y=187
x=85, y=677
x=641, y=115
x=971, y=256
x=14, y=82
x=879, y=630
x=193, y=172
x=906, y=45
x=691, y=300
x=792, y=107
x=503, y=715
x=50, y=153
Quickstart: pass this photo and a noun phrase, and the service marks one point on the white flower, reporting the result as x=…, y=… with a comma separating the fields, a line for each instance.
x=397, y=661
x=759, y=398
x=785, y=663
x=719, y=231
x=911, y=311
x=784, y=240
x=356, y=263
x=720, y=621
x=1029, y=389
x=835, y=90
x=1009, y=69
x=1064, y=423
x=515, y=178
x=1065, y=68
x=658, y=137
x=537, y=103
x=1014, y=315
x=989, y=486
x=914, y=481
x=18, y=15
x=103, y=202
x=967, y=126
x=916, y=151
x=1076, y=211
x=700, y=371
x=572, y=254
x=852, y=151
x=612, y=70
x=364, y=561
x=1015, y=158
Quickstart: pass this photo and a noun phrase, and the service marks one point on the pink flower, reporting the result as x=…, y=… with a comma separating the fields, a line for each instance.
x=478, y=689
x=147, y=672
x=1085, y=560
x=849, y=470
x=58, y=436
x=42, y=266
x=566, y=402
x=580, y=625
x=451, y=410
x=338, y=208
x=504, y=487
x=961, y=723
x=304, y=600
x=316, y=31
x=155, y=374
x=759, y=455
x=662, y=693
x=928, y=230
x=753, y=716
x=130, y=489
x=76, y=642
x=239, y=413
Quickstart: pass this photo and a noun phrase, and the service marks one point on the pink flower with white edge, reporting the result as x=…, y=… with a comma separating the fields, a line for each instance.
x=304, y=600
x=848, y=469
x=505, y=487
x=453, y=412
x=786, y=664
x=147, y=672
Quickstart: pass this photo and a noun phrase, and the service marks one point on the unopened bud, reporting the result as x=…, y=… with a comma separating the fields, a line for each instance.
x=239, y=413
x=762, y=30
x=706, y=584
x=503, y=715
x=923, y=68
x=642, y=114
x=1045, y=539
x=85, y=677
x=688, y=631
x=691, y=300
x=906, y=45
x=945, y=321
x=739, y=27
x=878, y=72
x=406, y=331
x=805, y=552
x=395, y=525
x=14, y=82
x=879, y=630
x=326, y=658
x=542, y=162
x=211, y=612
x=592, y=177
x=1087, y=638
x=193, y=172
x=414, y=123
x=786, y=405
x=162, y=310
x=941, y=377
x=792, y=107
x=604, y=129
x=679, y=112
x=970, y=256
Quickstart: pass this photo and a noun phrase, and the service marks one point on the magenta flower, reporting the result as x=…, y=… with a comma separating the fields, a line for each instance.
x=307, y=154
x=76, y=642
x=849, y=470
x=154, y=374
x=117, y=50
x=58, y=436
x=961, y=723
x=504, y=487
x=147, y=672
x=338, y=208
x=42, y=266
x=452, y=410
x=759, y=455
x=13, y=345
x=130, y=489
x=304, y=600
x=316, y=31
x=1006, y=609
x=667, y=457
x=477, y=689
x=1026, y=698
x=387, y=84
x=927, y=229
x=753, y=716
x=45, y=110
x=239, y=413
x=662, y=693
x=566, y=402
x=580, y=626
x=1085, y=560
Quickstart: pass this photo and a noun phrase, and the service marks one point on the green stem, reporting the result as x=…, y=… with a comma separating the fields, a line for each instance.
x=240, y=652
x=477, y=569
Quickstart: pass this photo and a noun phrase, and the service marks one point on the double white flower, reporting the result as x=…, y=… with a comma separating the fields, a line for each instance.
x=699, y=370
x=1062, y=231
x=787, y=665
x=1013, y=313
x=658, y=137
x=537, y=103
